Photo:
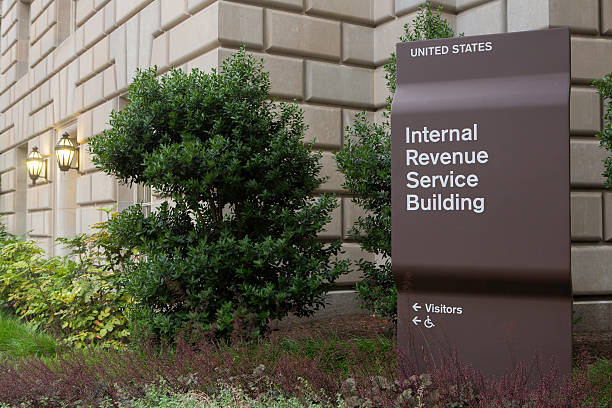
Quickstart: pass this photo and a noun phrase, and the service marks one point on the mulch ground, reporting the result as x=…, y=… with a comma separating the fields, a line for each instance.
x=595, y=344
x=341, y=327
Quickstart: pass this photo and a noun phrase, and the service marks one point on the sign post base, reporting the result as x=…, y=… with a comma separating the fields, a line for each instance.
x=493, y=333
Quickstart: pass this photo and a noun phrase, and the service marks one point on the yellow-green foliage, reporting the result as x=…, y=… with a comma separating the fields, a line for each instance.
x=78, y=300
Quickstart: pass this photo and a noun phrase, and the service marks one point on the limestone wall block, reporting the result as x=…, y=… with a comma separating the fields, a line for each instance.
x=65, y=52
x=383, y=10
x=40, y=197
x=99, y=4
x=110, y=81
x=150, y=27
x=124, y=9
x=240, y=24
x=488, y=18
x=585, y=111
x=41, y=223
x=71, y=80
x=586, y=163
x=77, y=105
x=7, y=5
x=101, y=54
x=339, y=84
x=324, y=126
x=85, y=163
x=591, y=270
x=86, y=65
x=580, y=16
x=297, y=34
x=93, y=29
x=84, y=10
x=466, y=4
x=10, y=37
x=109, y=16
x=9, y=220
x=358, y=44
x=83, y=189
x=84, y=126
x=329, y=169
x=294, y=5
x=591, y=58
x=118, y=53
x=193, y=36
x=607, y=216
x=159, y=52
x=586, y=216
x=132, y=44
x=105, y=190
x=193, y=6
x=348, y=10
x=8, y=160
x=526, y=15
x=9, y=59
x=606, y=17
x=173, y=12
x=101, y=115
x=9, y=19
x=8, y=181
x=7, y=203
x=93, y=91
x=381, y=92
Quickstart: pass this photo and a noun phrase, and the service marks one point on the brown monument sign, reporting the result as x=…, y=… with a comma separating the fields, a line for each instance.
x=480, y=199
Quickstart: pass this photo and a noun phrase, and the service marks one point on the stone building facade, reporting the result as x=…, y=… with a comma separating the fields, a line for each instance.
x=66, y=64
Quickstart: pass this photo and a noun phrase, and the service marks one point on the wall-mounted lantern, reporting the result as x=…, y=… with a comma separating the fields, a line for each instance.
x=37, y=165
x=66, y=152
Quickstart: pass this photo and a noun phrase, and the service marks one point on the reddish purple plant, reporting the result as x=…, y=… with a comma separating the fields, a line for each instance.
x=87, y=378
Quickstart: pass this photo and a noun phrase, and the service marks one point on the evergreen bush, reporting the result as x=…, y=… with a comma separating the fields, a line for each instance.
x=235, y=244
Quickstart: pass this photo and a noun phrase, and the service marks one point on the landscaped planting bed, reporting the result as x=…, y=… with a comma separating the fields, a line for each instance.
x=290, y=369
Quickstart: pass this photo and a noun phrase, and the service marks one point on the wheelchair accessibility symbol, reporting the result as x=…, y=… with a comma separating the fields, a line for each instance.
x=428, y=323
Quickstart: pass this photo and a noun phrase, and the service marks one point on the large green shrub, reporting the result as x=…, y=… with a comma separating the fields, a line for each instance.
x=365, y=162
x=604, y=87
x=236, y=245
x=78, y=300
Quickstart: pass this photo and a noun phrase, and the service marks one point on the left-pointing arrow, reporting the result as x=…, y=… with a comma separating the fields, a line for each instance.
x=416, y=307
x=416, y=320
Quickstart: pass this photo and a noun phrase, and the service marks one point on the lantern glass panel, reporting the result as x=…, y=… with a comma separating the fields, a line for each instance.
x=35, y=164
x=65, y=152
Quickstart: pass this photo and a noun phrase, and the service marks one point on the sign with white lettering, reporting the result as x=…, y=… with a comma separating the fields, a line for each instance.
x=480, y=199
